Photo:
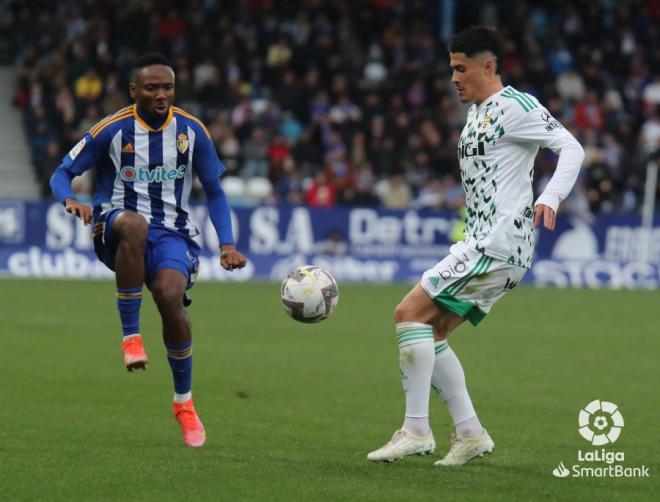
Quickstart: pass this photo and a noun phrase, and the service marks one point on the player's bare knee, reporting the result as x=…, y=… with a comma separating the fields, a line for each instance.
x=404, y=313
x=166, y=295
x=131, y=227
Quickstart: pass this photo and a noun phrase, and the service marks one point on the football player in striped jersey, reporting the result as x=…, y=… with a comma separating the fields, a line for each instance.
x=145, y=156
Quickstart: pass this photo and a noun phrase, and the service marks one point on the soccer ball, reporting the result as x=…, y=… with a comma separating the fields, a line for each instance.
x=309, y=294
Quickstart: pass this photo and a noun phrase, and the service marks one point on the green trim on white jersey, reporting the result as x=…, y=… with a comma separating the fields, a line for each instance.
x=521, y=98
x=496, y=152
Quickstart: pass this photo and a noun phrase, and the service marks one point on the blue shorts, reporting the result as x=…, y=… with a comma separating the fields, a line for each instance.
x=165, y=248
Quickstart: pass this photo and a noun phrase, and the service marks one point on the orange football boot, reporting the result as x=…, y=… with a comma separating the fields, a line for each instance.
x=135, y=358
x=191, y=426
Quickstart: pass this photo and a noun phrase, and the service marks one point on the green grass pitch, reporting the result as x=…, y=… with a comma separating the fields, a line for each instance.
x=291, y=410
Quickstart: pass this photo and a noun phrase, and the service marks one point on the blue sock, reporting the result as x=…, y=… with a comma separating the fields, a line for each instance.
x=129, y=301
x=180, y=358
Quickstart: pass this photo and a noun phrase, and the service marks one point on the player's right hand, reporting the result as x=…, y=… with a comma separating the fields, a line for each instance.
x=545, y=214
x=82, y=211
x=230, y=259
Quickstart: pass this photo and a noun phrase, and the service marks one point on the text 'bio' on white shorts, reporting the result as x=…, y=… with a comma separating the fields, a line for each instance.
x=468, y=282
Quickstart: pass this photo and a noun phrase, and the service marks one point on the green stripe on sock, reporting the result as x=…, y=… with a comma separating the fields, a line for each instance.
x=441, y=347
x=416, y=326
x=414, y=330
x=401, y=338
x=416, y=333
x=414, y=337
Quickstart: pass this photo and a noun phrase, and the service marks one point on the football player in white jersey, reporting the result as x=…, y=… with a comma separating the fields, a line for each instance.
x=504, y=130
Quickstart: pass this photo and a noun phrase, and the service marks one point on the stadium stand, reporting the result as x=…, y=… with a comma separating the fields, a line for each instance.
x=358, y=91
x=18, y=180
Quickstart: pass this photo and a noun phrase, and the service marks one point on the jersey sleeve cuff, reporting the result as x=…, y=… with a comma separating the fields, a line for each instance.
x=548, y=199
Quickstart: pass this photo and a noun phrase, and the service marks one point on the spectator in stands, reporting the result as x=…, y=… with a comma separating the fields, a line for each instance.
x=394, y=192
x=278, y=151
x=88, y=87
x=321, y=192
x=255, y=154
x=652, y=93
x=589, y=112
x=374, y=73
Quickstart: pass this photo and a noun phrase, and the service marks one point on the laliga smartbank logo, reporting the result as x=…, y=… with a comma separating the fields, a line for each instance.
x=600, y=423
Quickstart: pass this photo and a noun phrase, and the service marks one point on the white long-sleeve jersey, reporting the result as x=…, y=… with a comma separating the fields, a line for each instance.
x=496, y=153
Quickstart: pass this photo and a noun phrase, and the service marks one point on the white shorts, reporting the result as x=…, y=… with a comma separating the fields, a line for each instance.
x=468, y=283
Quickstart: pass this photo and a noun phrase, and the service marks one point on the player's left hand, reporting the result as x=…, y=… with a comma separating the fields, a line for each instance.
x=546, y=214
x=230, y=259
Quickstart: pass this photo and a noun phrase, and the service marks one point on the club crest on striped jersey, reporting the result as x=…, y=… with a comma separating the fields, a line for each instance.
x=182, y=143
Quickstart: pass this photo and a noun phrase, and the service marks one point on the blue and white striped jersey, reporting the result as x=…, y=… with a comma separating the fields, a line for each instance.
x=147, y=170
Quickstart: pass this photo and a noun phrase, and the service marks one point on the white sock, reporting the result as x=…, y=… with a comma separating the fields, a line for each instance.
x=182, y=398
x=416, y=360
x=449, y=382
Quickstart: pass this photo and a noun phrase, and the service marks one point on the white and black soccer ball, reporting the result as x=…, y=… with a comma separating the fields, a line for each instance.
x=309, y=294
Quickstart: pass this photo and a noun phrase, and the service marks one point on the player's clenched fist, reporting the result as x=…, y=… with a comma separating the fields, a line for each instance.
x=231, y=259
x=82, y=211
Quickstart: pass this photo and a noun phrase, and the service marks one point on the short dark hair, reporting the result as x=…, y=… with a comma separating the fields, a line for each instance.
x=478, y=39
x=153, y=58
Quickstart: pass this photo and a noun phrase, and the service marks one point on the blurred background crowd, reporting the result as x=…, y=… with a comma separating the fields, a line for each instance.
x=327, y=102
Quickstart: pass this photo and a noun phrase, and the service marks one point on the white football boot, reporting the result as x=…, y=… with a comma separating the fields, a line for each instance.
x=402, y=444
x=462, y=450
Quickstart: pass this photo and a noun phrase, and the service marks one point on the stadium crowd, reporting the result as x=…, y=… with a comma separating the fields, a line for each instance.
x=347, y=102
